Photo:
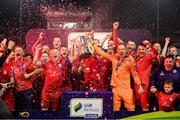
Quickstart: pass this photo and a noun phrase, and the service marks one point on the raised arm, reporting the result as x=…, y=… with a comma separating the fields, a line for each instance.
x=107, y=37
x=115, y=34
x=41, y=35
x=153, y=52
x=73, y=54
x=6, y=53
x=164, y=51
x=99, y=51
x=37, y=52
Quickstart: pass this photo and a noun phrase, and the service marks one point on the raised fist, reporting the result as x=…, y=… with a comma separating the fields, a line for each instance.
x=3, y=43
x=146, y=42
x=11, y=44
x=167, y=39
x=38, y=47
x=108, y=36
x=41, y=35
x=115, y=25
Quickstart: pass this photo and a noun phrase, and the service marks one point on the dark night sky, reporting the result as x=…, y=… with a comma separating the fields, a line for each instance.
x=132, y=14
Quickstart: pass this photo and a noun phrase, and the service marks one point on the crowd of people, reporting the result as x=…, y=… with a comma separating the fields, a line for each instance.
x=141, y=77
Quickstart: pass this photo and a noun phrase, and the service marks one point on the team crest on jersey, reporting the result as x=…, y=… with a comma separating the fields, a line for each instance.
x=4, y=72
x=97, y=75
x=174, y=71
x=170, y=99
x=87, y=69
x=162, y=73
x=59, y=65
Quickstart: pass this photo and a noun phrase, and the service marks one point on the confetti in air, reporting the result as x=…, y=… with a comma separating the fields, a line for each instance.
x=19, y=16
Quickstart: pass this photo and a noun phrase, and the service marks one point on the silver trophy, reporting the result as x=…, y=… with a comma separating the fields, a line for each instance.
x=84, y=47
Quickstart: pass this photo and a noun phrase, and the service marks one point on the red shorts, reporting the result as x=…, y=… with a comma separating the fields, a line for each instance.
x=143, y=98
x=50, y=98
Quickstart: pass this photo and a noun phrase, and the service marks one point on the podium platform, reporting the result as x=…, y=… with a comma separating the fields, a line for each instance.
x=87, y=104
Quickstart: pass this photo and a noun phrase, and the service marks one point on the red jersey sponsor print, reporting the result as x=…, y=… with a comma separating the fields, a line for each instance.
x=54, y=76
x=166, y=101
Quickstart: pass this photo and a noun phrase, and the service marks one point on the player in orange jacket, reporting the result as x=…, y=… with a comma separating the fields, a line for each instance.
x=122, y=67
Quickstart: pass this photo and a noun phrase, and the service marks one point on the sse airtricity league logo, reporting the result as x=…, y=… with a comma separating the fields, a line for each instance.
x=86, y=107
x=77, y=107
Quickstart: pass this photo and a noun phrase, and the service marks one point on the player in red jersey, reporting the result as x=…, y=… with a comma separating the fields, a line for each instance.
x=94, y=68
x=45, y=48
x=23, y=83
x=167, y=98
x=53, y=81
x=144, y=64
x=7, y=85
x=39, y=60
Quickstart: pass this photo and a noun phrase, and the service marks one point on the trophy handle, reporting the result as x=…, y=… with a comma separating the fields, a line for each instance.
x=90, y=47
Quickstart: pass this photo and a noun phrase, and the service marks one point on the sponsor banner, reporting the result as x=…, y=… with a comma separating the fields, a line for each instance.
x=86, y=107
